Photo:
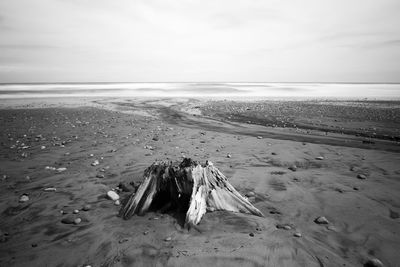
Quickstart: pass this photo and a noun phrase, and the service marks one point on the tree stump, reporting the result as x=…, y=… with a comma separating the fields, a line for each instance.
x=187, y=185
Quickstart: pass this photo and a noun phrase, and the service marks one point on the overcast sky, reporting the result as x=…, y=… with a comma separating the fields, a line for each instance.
x=199, y=40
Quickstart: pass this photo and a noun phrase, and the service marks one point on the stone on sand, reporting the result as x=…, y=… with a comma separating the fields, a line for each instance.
x=68, y=220
x=297, y=234
x=23, y=198
x=374, y=262
x=319, y=158
x=293, y=168
x=112, y=195
x=77, y=221
x=361, y=176
x=321, y=220
x=86, y=207
x=95, y=163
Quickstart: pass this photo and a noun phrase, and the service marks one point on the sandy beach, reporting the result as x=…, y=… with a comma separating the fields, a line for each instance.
x=305, y=160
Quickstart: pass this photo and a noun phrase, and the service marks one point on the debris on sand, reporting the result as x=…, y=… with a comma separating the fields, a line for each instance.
x=50, y=189
x=202, y=187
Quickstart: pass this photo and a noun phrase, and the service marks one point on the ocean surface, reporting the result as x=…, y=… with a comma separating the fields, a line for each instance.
x=209, y=90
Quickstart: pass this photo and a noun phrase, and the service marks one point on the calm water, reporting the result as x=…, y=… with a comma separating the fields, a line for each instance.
x=215, y=90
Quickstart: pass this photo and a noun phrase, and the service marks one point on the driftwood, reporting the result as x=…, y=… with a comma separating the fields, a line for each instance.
x=188, y=186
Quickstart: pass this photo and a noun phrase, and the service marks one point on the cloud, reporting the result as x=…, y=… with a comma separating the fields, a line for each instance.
x=171, y=40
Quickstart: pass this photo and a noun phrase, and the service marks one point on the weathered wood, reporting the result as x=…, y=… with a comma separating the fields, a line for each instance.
x=208, y=188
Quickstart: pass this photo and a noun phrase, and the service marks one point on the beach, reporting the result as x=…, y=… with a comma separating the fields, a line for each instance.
x=296, y=161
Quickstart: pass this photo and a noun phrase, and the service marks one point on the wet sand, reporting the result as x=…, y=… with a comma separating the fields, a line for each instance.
x=291, y=175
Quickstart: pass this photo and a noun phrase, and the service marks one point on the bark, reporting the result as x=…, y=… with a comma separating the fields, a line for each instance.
x=205, y=188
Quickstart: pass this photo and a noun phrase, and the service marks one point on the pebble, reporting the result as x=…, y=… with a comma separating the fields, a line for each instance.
x=68, y=220
x=259, y=137
x=274, y=153
x=117, y=203
x=124, y=187
x=283, y=226
x=228, y=156
x=42, y=147
x=168, y=238
x=361, y=176
x=145, y=232
x=61, y=169
x=321, y=220
x=373, y=263
x=95, y=163
x=297, y=234
x=75, y=211
x=100, y=175
x=112, y=195
x=23, y=198
x=86, y=207
x=250, y=194
x=293, y=168
x=123, y=240
x=319, y=158
x=77, y=221
x=251, y=234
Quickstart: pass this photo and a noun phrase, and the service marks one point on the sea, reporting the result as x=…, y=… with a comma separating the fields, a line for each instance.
x=218, y=90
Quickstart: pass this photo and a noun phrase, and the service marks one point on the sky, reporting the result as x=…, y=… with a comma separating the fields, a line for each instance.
x=199, y=40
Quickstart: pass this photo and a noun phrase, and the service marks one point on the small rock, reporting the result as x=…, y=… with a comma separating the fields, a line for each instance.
x=251, y=234
x=228, y=156
x=297, y=234
x=112, y=195
x=95, y=163
x=100, y=175
x=145, y=232
x=283, y=226
x=117, y=203
x=361, y=176
x=123, y=240
x=75, y=212
x=61, y=169
x=23, y=198
x=77, y=221
x=86, y=207
x=293, y=168
x=274, y=153
x=259, y=137
x=373, y=263
x=68, y=220
x=168, y=238
x=250, y=194
x=124, y=187
x=319, y=158
x=321, y=220
x=43, y=147
x=356, y=188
